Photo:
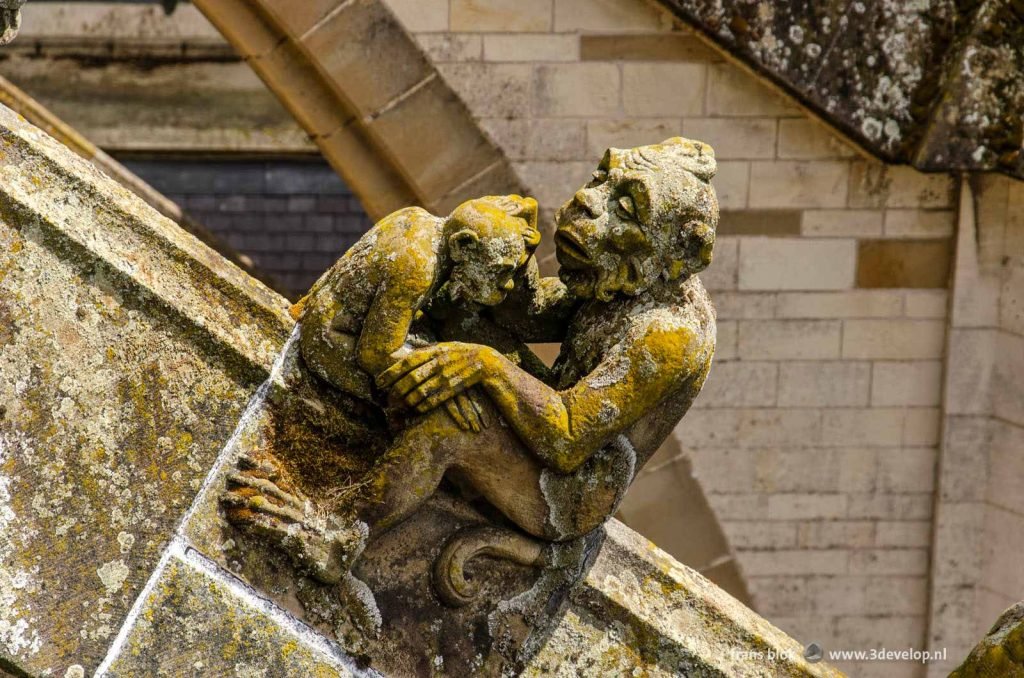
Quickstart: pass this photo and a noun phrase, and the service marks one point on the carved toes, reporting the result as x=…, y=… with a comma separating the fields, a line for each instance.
x=247, y=462
x=256, y=503
x=266, y=487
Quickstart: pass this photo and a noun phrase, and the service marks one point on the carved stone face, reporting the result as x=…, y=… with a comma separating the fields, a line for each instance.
x=648, y=213
x=491, y=238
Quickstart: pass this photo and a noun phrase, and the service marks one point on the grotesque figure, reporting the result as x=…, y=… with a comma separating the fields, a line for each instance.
x=359, y=319
x=639, y=221
x=635, y=354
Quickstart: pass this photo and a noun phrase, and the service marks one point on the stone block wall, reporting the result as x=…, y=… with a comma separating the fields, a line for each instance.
x=816, y=437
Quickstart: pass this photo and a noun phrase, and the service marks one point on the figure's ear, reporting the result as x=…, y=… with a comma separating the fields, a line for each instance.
x=461, y=243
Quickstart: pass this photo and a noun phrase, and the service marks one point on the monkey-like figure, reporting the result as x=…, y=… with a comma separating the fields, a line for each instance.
x=357, y=318
x=361, y=317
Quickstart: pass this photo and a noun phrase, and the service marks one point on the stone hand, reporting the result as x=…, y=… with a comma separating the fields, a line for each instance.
x=428, y=377
x=466, y=412
x=255, y=501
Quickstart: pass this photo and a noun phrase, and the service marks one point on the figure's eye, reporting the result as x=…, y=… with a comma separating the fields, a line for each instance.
x=599, y=177
x=627, y=207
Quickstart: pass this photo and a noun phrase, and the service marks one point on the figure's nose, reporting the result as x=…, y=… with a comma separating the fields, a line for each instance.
x=591, y=201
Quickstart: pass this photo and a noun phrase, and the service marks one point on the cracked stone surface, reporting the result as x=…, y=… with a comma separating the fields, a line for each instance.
x=197, y=623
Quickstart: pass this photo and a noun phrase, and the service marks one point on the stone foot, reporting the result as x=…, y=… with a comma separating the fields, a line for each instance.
x=259, y=500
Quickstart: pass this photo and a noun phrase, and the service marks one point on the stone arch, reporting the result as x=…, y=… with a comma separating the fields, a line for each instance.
x=371, y=100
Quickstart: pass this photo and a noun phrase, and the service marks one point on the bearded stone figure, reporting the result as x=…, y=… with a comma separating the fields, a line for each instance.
x=417, y=342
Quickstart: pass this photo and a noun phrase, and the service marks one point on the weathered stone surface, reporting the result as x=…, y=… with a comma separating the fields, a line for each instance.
x=639, y=608
x=196, y=620
x=977, y=123
x=652, y=47
x=195, y=102
x=10, y=19
x=1001, y=652
x=128, y=350
x=113, y=21
x=936, y=84
x=904, y=263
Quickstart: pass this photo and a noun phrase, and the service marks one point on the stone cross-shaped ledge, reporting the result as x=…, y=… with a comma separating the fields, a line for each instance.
x=184, y=490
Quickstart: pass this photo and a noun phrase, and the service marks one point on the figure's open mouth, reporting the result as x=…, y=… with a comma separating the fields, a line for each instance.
x=568, y=244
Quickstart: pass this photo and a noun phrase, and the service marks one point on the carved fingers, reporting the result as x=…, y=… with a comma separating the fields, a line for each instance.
x=469, y=402
x=247, y=462
x=466, y=412
x=266, y=488
x=440, y=375
x=388, y=377
x=456, y=414
x=446, y=382
x=413, y=378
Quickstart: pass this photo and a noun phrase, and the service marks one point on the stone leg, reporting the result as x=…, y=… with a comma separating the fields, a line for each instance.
x=546, y=504
x=409, y=472
x=493, y=462
x=496, y=464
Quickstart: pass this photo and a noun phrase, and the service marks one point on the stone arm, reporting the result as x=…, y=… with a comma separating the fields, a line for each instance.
x=386, y=326
x=562, y=428
x=346, y=350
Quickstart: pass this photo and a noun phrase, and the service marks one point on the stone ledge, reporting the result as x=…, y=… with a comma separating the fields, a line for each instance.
x=114, y=226
x=194, y=618
x=673, y=614
x=129, y=351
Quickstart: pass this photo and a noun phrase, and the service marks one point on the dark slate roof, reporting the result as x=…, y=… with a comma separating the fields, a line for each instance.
x=933, y=83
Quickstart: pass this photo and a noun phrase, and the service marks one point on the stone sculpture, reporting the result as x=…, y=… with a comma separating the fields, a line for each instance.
x=1001, y=652
x=10, y=19
x=420, y=332
x=141, y=370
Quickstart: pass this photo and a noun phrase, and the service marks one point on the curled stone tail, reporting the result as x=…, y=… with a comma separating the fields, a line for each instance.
x=450, y=581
